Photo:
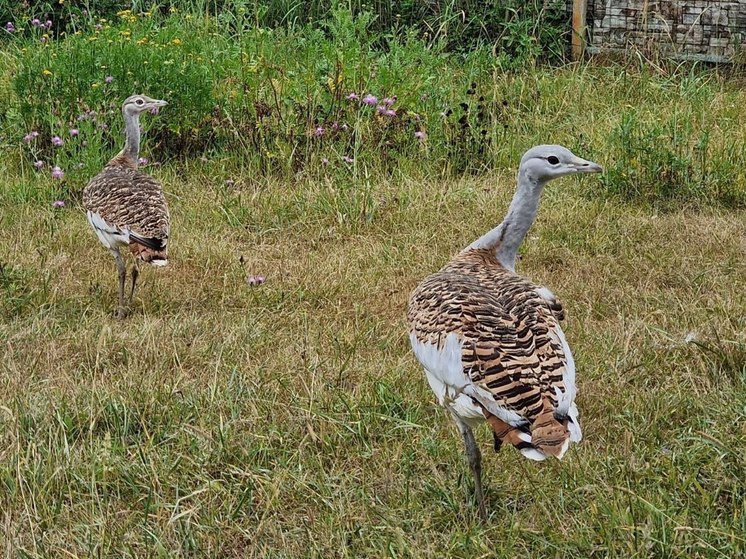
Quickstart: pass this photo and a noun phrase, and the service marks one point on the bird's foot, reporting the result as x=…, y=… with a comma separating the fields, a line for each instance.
x=122, y=312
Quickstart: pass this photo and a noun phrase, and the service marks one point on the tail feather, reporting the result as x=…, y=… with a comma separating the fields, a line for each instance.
x=149, y=255
x=548, y=436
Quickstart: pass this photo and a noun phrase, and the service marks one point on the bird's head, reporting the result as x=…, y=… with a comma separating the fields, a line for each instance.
x=548, y=162
x=136, y=104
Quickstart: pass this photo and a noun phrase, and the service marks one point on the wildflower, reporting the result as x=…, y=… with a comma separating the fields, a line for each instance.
x=57, y=141
x=142, y=161
x=98, y=27
x=380, y=109
x=10, y=28
x=255, y=280
x=391, y=113
x=30, y=136
x=46, y=72
x=57, y=173
x=353, y=97
x=388, y=101
x=57, y=204
x=229, y=183
x=335, y=126
x=109, y=79
x=48, y=24
x=36, y=23
x=38, y=164
x=74, y=132
x=154, y=111
x=420, y=135
x=347, y=159
x=319, y=131
x=370, y=100
x=324, y=161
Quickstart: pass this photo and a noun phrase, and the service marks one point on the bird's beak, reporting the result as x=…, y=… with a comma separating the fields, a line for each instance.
x=584, y=166
x=160, y=103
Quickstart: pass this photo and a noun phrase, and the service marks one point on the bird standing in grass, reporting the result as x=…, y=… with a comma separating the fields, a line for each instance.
x=490, y=340
x=126, y=207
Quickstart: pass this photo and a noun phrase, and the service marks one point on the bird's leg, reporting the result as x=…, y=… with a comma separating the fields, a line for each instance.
x=135, y=273
x=122, y=269
x=475, y=463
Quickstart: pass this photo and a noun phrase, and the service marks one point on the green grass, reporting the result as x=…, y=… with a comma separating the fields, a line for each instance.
x=290, y=419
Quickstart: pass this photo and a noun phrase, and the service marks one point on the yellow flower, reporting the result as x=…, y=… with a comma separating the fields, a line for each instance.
x=46, y=72
x=172, y=10
x=176, y=41
x=94, y=85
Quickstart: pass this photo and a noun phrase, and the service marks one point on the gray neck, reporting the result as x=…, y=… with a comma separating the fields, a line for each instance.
x=132, y=134
x=506, y=238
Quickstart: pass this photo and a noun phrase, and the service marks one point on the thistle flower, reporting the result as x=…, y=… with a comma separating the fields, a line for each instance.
x=10, y=28
x=57, y=173
x=109, y=79
x=255, y=280
x=154, y=111
x=57, y=204
x=319, y=131
x=57, y=141
x=38, y=164
x=36, y=23
x=48, y=24
x=391, y=113
x=370, y=100
x=324, y=161
x=142, y=161
x=30, y=136
x=74, y=132
x=335, y=126
x=388, y=101
x=347, y=159
x=420, y=135
x=353, y=97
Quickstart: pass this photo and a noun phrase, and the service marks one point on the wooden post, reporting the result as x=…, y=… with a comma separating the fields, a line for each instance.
x=578, y=28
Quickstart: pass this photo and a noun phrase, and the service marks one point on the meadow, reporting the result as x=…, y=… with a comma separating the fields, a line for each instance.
x=289, y=419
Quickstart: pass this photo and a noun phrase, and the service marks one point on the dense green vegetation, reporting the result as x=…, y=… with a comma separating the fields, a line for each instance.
x=289, y=419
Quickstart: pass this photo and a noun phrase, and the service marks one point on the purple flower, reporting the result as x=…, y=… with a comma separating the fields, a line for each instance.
x=319, y=131
x=324, y=161
x=35, y=22
x=370, y=100
x=347, y=159
x=48, y=24
x=335, y=126
x=57, y=173
x=38, y=164
x=109, y=79
x=388, y=101
x=353, y=97
x=255, y=280
x=154, y=111
x=142, y=162
x=10, y=28
x=30, y=136
x=420, y=135
x=380, y=109
x=391, y=113
x=74, y=132
x=57, y=141
x=57, y=204
x=98, y=27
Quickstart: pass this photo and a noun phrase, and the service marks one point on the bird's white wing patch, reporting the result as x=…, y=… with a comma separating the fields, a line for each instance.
x=110, y=236
x=454, y=389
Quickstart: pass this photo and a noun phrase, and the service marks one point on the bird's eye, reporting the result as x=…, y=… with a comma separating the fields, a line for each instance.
x=552, y=160
x=140, y=102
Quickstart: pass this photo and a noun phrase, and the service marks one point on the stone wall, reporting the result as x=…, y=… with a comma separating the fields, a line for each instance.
x=695, y=29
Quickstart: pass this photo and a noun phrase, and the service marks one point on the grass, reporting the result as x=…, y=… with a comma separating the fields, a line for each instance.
x=290, y=419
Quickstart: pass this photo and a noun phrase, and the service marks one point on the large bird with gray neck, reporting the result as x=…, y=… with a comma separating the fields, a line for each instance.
x=490, y=340
x=126, y=207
